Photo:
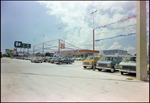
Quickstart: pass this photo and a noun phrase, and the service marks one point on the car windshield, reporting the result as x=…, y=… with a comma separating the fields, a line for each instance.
x=106, y=59
x=127, y=59
x=89, y=58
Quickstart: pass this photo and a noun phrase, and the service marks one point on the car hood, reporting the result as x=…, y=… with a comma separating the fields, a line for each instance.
x=88, y=60
x=128, y=63
x=104, y=62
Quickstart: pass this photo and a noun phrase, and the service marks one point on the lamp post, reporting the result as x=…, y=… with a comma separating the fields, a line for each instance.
x=43, y=45
x=33, y=49
x=93, y=41
x=59, y=41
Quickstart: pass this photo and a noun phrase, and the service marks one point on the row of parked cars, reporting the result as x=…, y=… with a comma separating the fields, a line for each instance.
x=112, y=63
x=53, y=60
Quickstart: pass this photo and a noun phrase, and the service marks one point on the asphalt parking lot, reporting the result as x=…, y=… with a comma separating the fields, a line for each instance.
x=23, y=81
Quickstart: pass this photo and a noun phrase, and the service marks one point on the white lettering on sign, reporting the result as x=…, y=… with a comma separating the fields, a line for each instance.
x=18, y=44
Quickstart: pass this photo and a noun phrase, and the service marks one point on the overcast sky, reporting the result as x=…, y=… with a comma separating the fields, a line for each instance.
x=28, y=20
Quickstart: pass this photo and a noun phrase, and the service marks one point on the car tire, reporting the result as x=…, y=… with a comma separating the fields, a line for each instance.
x=121, y=73
x=99, y=69
x=112, y=70
x=84, y=66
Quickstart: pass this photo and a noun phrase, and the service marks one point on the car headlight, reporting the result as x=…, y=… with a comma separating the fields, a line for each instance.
x=120, y=66
x=109, y=65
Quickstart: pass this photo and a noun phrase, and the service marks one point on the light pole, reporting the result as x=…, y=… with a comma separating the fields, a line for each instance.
x=93, y=41
x=34, y=48
x=43, y=45
x=59, y=41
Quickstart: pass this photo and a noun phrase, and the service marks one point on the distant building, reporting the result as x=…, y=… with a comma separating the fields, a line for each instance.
x=113, y=52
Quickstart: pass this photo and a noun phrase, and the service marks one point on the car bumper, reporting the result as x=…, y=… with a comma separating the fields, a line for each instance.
x=88, y=66
x=55, y=62
x=127, y=71
x=106, y=68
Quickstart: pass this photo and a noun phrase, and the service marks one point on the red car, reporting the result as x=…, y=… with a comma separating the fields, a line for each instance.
x=36, y=60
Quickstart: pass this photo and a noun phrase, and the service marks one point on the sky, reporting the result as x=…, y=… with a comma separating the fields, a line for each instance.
x=28, y=21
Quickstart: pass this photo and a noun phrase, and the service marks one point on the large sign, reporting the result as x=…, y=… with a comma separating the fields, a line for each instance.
x=19, y=44
x=7, y=51
x=62, y=45
x=24, y=45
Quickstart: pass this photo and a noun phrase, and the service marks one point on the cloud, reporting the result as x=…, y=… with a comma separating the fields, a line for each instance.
x=78, y=20
x=130, y=49
x=116, y=45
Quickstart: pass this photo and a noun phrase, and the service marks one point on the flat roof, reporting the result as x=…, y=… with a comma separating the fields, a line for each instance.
x=79, y=51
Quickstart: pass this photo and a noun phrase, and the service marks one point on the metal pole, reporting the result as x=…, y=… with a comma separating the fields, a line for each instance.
x=33, y=51
x=43, y=46
x=93, y=42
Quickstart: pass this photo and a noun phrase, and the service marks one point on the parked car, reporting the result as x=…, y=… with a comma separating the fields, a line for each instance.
x=108, y=63
x=128, y=65
x=63, y=60
x=88, y=62
x=52, y=60
x=80, y=59
x=36, y=60
x=49, y=59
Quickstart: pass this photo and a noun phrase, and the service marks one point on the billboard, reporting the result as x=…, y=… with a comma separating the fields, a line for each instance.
x=19, y=44
x=62, y=45
x=24, y=45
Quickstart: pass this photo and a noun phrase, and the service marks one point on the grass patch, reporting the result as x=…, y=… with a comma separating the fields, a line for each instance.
x=129, y=79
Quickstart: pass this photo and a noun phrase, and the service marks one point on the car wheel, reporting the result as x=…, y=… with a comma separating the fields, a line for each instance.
x=121, y=73
x=112, y=70
x=99, y=69
x=84, y=66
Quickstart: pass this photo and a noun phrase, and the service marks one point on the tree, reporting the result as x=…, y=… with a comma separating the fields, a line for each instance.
x=38, y=54
x=47, y=54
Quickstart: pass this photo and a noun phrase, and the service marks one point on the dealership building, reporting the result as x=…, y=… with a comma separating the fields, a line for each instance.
x=85, y=53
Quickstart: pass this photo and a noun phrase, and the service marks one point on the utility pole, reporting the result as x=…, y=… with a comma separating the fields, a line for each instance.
x=43, y=45
x=141, y=48
x=59, y=41
x=93, y=41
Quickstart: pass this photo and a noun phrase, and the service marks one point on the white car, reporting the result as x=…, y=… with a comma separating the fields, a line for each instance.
x=128, y=65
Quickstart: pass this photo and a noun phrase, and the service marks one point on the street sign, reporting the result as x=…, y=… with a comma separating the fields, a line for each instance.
x=10, y=51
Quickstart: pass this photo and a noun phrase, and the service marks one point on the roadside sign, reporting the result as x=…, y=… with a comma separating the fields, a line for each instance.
x=18, y=44
x=62, y=45
x=7, y=51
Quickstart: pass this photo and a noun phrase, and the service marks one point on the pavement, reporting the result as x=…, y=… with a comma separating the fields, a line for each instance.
x=23, y=81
